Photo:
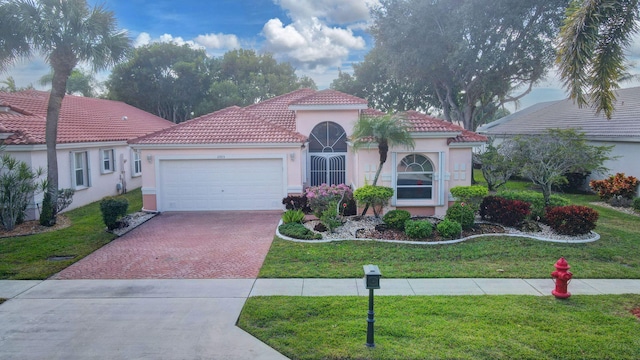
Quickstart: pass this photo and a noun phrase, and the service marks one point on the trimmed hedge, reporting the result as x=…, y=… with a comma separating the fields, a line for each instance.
x=504, y=211
x=536, y=199
x=112, y=209
x=572, y=219
x=471, y=195
x=418, y=229
x=449, y=229
x=462, y=213
x=396, y=218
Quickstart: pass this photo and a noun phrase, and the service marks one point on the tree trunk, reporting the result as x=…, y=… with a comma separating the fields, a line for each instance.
x=58, y=90
x=383, y=150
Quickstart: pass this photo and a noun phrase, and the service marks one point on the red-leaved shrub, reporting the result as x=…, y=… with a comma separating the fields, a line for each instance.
x=617, y=185
x=504, y=211
x=572, y=219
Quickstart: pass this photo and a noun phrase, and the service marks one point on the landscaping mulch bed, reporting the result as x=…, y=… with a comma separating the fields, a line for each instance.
x=393, y=234
x=34, y=227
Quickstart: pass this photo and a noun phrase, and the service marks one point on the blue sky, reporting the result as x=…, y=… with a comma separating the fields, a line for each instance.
x=316, y=36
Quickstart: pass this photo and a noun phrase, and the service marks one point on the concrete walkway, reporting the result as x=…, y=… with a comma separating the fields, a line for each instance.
x=195, y=319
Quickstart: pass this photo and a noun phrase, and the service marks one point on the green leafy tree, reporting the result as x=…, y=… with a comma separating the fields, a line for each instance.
x=372, y=81
x=165, y=79
x=498, y=164
x=9, y=85
x=79, y=82
x=385, y=131
x=468, y=53
x=591, y=49
x=546, y=158
x=18, y=184
x=66, y=33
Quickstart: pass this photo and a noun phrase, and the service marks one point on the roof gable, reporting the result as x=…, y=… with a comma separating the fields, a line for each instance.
x=81, y=119
x=329, y=100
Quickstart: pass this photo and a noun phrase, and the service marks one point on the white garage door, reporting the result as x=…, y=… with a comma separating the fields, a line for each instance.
x=231, y=184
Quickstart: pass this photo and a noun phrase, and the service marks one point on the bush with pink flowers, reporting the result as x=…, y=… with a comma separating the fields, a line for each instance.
x=319, y=197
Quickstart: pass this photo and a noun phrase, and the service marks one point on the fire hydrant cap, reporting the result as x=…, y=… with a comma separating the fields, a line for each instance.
x=562, y=264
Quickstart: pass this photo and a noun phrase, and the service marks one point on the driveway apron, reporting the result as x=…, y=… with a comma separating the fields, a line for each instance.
x=184, y=245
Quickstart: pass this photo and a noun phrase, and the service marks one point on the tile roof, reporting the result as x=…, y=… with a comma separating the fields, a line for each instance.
x=564, y=114
x=232, y=125
x=81, y=119
x=330, y=97
x=272, y=121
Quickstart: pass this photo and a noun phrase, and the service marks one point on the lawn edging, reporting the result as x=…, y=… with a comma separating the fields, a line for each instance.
x=595, y=237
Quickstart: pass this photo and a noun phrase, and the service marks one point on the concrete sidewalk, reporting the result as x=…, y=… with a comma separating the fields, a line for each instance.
x=195, y=319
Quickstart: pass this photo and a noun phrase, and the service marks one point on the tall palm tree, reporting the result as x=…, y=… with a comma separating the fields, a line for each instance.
x=386, y=131
x=65, y=33
x=591, y=49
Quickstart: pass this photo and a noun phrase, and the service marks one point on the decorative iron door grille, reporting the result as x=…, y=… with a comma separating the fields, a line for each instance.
x=327, y=168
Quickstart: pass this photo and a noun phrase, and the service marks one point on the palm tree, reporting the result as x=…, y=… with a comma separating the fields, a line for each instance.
x=591, y=49
x=386, y=131
x=65, y=33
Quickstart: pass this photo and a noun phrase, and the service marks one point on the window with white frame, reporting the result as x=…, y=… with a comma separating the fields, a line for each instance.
x=415, y=178
x=136, y=164
x=108, y=162
x=80, y=168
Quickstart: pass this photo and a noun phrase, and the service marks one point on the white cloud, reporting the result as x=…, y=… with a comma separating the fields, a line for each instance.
x=218, y=41
x=310, y=44
x=142, y=40
x=332, y=11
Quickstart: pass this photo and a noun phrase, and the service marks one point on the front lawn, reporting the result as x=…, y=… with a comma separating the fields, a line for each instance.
x=26, y=257
x=454, y=327
x=615, y=255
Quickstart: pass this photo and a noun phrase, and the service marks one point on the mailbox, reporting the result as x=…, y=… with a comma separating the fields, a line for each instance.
x=372, y=277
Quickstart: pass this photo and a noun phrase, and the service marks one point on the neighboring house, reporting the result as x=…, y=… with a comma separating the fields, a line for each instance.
x=93, y=155
x=253, y=157
x=622, y=131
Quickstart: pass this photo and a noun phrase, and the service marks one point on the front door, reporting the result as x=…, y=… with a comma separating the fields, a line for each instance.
x=327, y=154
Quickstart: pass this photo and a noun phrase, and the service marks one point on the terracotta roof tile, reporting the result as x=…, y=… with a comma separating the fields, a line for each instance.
x=276, y=110
x=232, y=125
x=330, y=97
x=81, y=119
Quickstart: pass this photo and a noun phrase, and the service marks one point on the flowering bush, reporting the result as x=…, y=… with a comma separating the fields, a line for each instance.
x=462, y=213
x=319, y=197
x=504, y=211
x=617, y=185
x=572, y=219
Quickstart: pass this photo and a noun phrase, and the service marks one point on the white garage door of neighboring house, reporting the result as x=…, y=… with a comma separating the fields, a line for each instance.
x=230, y=184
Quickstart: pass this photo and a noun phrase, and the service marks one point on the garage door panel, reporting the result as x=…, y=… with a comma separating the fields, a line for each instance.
x=230, y=184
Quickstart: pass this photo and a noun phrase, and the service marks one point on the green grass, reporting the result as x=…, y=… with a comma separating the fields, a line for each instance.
x=615, y=255
x=25, y=257
x=440, y=327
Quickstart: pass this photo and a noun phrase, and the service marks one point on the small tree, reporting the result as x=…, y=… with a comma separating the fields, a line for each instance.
x=497, y=164
x=546, y=158
x=18, y=185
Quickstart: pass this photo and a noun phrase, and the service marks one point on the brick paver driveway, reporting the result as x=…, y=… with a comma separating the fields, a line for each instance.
x=184, y=245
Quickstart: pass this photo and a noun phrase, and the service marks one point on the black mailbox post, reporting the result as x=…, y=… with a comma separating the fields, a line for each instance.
x=372, y=277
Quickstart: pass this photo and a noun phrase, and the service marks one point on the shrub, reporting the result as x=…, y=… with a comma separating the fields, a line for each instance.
x=319, y=197
x=471, y=195
x=297, y=202
x=449, y=229
x=504, y=211
x=112, y=209
x=462, y=213
x=572, y=219
x=396, y=218
x=636, y=204
x=535, y=199
x=298, y=231
x=619, y=201
x=418, y=229
x=375, y=196
x=330, y=218
x=292, y=216
x=18, y=184
x=575, y=183
x=617, y=185
x=46, y=214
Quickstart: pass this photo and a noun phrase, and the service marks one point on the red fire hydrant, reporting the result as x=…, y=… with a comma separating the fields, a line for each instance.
x=561, y=277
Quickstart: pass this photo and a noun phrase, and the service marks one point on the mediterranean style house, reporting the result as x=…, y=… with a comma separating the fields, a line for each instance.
x=94, y=158
x=253, y=157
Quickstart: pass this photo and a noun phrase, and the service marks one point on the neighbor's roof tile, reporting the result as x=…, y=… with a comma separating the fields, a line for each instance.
x=330, y=97
x=81, y=119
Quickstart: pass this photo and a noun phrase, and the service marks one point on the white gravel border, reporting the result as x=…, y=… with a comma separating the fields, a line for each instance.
x=553, y=238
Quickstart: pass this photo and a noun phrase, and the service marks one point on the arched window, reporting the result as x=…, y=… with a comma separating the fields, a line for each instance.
x=327, y=149
x=415, y=178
